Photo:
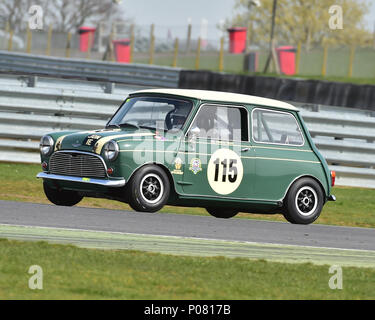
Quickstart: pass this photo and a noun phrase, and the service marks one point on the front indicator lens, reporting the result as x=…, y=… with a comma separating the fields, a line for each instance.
x=46, y=145
x=111, y=150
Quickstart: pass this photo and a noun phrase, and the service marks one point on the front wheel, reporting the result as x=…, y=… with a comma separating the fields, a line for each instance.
x=61, y=197
x=149, y=189
x=304, y=202
x=224, y=213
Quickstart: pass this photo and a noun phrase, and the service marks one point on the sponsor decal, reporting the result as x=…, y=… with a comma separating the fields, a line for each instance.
x=177, y=166
x=158, y=136
x=195, y=165
x=91, y=140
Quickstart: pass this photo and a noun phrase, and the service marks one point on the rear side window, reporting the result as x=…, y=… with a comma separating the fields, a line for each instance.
x=276, y=128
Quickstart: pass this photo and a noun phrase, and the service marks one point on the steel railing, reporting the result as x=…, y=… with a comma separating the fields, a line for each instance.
x=135, y=74
x=346, y=138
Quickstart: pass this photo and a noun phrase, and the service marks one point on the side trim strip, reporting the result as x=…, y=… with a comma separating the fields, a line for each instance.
x=206, y=154
x=291, y=160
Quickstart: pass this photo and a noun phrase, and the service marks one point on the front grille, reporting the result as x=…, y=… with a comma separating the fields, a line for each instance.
x=77, y=165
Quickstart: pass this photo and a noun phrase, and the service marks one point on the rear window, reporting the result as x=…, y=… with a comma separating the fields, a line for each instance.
x=274, y=127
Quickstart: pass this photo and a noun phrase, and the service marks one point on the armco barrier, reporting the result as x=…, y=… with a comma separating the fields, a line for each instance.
x=304, y=91
x=346, y=138
x=133, y=74
x=31, y=107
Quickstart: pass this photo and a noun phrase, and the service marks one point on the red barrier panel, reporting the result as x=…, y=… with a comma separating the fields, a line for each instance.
x=122, y=50
x=287, y=60
x=237, y=40
x=86, y=33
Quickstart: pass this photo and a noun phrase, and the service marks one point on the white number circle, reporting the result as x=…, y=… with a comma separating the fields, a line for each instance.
x=224, y=171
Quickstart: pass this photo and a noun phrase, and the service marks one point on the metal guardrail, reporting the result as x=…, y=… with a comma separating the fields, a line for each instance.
x=134, y=74
x=31, y=107
x=346, y=138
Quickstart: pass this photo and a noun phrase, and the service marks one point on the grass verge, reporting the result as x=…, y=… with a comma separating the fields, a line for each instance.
x=354, y=206
x=74, y=273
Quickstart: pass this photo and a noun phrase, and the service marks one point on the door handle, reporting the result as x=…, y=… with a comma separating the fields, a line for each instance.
x=245, y=149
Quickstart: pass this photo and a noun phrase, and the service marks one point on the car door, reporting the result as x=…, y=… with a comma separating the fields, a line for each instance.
x=219, y=160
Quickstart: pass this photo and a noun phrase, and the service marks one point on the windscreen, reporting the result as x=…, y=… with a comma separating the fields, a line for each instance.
x=153, y=113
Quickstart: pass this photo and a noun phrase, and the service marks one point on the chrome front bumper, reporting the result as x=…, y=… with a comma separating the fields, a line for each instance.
x=102, y=182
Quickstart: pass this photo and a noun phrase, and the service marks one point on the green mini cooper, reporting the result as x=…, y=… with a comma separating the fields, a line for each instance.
x=225, y=152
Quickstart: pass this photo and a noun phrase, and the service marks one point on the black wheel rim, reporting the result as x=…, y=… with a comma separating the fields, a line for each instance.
x=151, y=188
x=306, y=201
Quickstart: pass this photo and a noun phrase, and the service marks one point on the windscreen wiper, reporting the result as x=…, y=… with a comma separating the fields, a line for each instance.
x=149, y=128
x=126, y=124
x=113, y=126
x=121, y=125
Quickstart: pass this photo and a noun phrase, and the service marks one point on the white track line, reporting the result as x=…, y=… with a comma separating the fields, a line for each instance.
x=189, y=238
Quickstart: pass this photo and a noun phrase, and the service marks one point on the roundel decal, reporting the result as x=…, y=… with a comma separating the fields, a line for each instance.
x=224, y=171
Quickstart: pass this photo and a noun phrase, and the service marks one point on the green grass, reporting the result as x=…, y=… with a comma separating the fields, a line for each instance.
x=73, y=273
x=354, y=206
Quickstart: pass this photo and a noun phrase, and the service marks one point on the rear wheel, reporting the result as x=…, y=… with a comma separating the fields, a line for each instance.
x=223, y=213
x=149, y=189
x=61, y=197
x=304, y=202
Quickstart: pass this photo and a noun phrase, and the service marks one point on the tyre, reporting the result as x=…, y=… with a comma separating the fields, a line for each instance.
x=61, y=197
x=149, y=189
x=223, y=213
x=304, y=202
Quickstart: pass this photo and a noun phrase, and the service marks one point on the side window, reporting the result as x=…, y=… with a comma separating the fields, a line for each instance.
x=276, y=127
x=220, y=123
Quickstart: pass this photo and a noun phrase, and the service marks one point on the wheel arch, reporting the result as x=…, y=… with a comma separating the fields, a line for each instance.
x=164, y=168
x=302, y=177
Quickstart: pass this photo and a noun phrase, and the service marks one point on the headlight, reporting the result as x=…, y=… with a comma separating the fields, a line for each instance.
x=46, y=145
x=111, y=150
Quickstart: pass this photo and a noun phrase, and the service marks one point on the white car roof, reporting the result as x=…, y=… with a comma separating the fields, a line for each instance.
x=222, y=96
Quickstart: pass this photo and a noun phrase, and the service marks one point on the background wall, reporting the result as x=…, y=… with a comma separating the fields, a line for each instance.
x=298, y=90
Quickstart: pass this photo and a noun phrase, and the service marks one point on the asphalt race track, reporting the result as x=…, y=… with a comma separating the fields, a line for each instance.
x=29, y=214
